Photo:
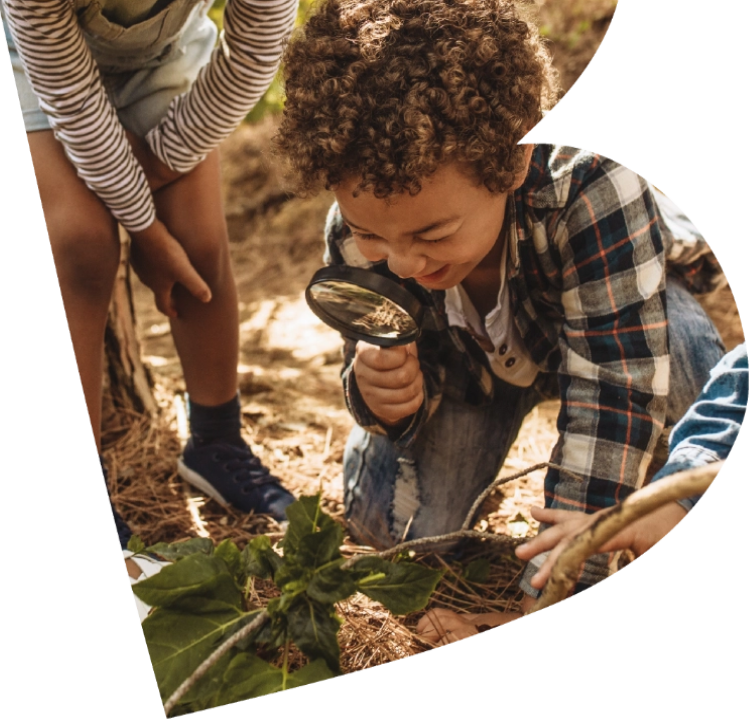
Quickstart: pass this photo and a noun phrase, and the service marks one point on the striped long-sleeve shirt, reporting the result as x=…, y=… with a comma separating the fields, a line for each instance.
x=67, y=82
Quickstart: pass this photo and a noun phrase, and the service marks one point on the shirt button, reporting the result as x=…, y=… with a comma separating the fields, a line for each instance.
x=510, y=362
x=503, y=349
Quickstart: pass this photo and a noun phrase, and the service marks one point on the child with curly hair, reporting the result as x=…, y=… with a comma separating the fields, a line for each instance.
x=545, y=272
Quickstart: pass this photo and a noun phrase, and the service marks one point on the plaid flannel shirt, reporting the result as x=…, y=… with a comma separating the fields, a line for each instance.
x=587, y=277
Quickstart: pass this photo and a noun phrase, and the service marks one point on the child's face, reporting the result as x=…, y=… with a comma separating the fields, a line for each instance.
x=438, y=237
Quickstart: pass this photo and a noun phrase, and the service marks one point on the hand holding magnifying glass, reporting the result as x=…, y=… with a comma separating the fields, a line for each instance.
x=386, y=319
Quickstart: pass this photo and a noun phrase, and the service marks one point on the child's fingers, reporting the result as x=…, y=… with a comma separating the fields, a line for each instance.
x=540, y=578
x=381, y=359
x=393, y=413
x=164, y=301
x=189, y=277
x=392, y=396
x=408, y=376
x=543, y=542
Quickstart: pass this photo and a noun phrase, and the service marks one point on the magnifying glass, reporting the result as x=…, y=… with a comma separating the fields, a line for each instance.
x=363, y=305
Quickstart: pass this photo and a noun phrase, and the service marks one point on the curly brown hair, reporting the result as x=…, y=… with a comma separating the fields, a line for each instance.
x=388, y=90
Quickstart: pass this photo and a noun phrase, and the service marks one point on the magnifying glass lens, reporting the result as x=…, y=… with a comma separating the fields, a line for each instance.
x=363, y=310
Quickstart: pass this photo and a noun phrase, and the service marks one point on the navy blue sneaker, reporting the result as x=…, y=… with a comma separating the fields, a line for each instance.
x=123, y=530
x=232, y=474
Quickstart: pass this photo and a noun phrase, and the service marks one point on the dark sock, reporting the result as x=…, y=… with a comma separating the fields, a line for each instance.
x=212, y=423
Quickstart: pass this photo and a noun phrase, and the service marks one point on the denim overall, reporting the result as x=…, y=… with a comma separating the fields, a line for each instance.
x=147, y=52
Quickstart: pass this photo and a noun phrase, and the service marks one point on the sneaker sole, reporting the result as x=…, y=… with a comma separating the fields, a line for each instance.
x=199, y=482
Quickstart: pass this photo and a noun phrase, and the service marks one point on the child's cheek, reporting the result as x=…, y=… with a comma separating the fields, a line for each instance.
x=370, y=250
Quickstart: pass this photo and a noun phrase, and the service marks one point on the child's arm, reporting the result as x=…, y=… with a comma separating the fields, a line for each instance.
x=239, y=72
x=66, y=81
x=614, y=356
x=709, y=429
x=705, y=434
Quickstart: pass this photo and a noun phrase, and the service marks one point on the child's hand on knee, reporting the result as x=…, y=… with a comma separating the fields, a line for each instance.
x=389, y=380
x=161, y=263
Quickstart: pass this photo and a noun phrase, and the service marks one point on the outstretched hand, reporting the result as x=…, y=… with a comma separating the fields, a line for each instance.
x=161, y=263
x=566, y=525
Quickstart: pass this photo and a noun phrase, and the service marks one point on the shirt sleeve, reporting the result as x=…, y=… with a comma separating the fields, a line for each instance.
x=614, y=369
x=66, y=81
x=240, y=70
x=709, y=429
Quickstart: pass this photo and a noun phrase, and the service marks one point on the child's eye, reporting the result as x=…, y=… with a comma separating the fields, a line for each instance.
x=432, y=241
x=363, y=236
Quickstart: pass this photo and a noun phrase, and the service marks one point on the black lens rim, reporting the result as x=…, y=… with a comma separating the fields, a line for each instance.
x=372, y=281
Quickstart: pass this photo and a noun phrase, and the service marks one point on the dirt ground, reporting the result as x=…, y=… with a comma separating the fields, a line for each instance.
x=293, y=408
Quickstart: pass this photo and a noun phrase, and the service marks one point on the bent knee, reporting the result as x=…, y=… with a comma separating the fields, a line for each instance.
x=87, y=257
x=211, y=260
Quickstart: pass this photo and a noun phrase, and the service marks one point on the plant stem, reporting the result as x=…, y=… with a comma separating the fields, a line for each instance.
x=500, y=481
x=285, y=664
x=234, y=639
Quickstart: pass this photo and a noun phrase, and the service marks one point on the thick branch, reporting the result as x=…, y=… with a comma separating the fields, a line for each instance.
x=565, y=573
x=233, y=640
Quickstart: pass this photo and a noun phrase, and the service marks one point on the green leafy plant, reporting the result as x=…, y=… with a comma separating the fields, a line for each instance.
x=204, y=638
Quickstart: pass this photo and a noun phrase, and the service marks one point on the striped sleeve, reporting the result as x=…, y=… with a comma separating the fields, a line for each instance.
x=241, y=69
x=66, y=81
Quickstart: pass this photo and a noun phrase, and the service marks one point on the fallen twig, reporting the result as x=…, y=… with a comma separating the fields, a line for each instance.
x=234, y=639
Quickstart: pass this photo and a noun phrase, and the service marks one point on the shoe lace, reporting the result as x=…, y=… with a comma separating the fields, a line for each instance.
x=245, y=467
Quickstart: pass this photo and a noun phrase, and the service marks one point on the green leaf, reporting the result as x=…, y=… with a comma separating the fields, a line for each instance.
x=228, y=552
x=247, y=676
x=135, y=545
x=478, y=570
x=191, y=583
x=313, y=627
x=304, y=517
x=179, y=642
x=311, y=673
x=401, y=587
x=181, y=549
x=330, y=585
x=260, y=559
x=316, y=549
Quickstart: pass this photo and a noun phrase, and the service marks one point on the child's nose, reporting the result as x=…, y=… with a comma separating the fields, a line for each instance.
x=405, y=265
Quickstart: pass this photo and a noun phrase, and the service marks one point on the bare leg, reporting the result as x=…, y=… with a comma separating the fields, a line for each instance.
x=86, y=251
x=206, y=334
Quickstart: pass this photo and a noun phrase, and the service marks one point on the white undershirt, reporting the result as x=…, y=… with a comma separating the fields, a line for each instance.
x=496, y=334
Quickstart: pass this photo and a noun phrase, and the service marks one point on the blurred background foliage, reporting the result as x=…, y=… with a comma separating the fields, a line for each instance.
x=570, y=26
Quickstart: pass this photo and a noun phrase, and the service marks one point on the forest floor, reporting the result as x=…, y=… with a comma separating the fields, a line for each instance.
x=293, y=410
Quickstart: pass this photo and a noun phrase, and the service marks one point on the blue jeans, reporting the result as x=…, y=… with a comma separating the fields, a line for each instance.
x=462, y=448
